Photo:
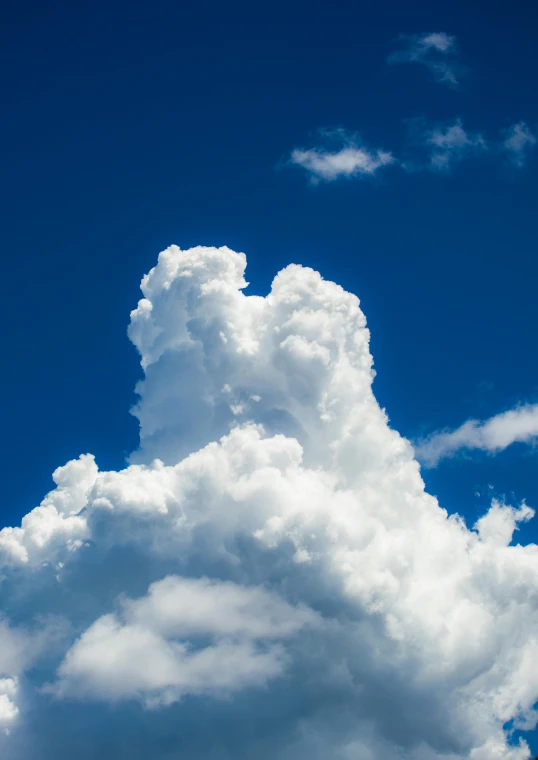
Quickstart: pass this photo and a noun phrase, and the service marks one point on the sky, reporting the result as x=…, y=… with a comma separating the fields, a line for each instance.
x=391, y=148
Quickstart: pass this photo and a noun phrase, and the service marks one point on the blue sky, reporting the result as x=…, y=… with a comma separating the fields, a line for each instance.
x=127, y=128
x=131, y=126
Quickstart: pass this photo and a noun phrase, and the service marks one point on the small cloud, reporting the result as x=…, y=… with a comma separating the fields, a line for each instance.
x=493, y=435
x=440, y=41
x=437, y=51
x=518, y=142
x=451, y=144
x=351, y=160
x=348, y=162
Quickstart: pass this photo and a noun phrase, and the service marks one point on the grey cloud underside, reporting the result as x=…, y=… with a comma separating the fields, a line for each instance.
x=268, y=577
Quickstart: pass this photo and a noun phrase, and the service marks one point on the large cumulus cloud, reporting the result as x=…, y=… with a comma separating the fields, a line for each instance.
x=268, y=577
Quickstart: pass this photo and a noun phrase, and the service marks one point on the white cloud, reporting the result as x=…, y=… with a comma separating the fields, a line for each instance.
x=8, y=708
x=146, y=649
x=350, y=161
x=518, y=142
x=493, y=435
x=268, y=576
x=437, y=51
x=445, y=145
x=451, y=144
x=499, y=524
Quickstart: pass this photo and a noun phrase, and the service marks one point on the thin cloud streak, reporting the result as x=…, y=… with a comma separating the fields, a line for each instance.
x=493, y=435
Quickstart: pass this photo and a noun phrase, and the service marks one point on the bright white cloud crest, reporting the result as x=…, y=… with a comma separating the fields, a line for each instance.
x=268, y=577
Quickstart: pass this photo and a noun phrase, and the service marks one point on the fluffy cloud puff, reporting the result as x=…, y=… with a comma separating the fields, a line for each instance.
x=267, y=578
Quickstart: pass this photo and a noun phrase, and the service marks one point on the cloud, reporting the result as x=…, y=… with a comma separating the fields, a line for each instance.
x=432, y=149
x=352, y=160
x=493, y=435
x=451, y=144
x=267, y=577
x=436, y=51
x=518, y=142
x=8, y=709
x=146, y=649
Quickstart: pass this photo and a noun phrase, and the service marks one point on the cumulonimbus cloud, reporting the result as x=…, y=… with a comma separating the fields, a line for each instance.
x=267, y=577
x=493, y=435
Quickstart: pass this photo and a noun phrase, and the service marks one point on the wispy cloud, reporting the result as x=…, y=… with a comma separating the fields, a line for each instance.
x=493, y=435
x=518, y=142
x=436, y=51
x=452, y=143
x=351, y=160
x=430, y=148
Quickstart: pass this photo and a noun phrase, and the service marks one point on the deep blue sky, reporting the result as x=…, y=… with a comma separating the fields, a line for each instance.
x=131, y=126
